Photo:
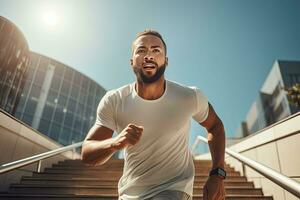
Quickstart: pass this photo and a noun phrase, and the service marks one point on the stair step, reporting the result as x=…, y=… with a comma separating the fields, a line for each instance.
x=72, y=179
x=113, y=178
x=58, y=189
x=110, y=197
x=114, y=173
x=241, y=179
x=103, y=176
x=122, y=165
x=105, y=168
x=115, y=183
x=121, y=162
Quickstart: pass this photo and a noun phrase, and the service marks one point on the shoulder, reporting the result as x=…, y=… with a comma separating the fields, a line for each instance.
x=178, y=87
x=119, y=93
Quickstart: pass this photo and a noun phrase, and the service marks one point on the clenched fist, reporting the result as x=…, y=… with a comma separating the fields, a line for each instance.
x=128, y=137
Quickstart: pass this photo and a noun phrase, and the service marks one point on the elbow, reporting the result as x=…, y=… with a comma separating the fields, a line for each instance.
x=85, y=158
x=217, y=126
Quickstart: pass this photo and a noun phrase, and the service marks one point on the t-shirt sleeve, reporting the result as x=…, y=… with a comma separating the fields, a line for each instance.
x=106, y=112
x=202, y=108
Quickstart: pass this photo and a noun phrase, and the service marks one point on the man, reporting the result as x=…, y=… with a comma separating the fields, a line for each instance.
x=152, y=119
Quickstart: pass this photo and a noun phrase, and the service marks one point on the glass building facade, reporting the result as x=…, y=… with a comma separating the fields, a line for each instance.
x=272, y=104
x=58, y=101
x=14, y=59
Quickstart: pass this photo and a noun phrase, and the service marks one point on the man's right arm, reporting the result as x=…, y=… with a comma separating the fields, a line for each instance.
x=99, y=145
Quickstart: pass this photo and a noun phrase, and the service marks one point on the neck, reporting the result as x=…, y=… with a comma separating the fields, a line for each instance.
x=151, y=91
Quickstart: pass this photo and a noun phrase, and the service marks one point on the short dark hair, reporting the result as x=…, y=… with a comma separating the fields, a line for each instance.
x=150, y=32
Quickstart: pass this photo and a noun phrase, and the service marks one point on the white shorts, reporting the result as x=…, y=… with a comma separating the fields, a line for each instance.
x=171, y=195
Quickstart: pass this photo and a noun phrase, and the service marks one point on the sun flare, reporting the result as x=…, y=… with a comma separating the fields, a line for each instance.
x=50, y=18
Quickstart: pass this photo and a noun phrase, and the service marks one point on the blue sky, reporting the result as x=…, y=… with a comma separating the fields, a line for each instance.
x=226, y=48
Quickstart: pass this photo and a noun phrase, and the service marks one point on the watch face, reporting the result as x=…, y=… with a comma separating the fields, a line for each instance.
x=221, y=172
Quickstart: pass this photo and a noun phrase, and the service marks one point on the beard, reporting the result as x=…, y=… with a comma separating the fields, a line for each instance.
x=141, y=77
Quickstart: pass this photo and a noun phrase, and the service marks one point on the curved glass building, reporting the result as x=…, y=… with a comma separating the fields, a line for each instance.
x=58, y=101
x=14, y=59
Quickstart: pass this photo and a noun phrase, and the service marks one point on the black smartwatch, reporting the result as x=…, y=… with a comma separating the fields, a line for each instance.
x=218, y=171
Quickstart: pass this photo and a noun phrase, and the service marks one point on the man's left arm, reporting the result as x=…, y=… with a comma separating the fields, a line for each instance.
x=214, y=186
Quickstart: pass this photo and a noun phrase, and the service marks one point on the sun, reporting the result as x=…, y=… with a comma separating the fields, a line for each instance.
x=50, y=18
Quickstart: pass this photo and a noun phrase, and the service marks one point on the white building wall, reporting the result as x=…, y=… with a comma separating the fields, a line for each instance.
x=276, y=147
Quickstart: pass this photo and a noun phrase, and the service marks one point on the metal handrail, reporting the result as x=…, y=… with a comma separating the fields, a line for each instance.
x=283, y=181
x=37, y=158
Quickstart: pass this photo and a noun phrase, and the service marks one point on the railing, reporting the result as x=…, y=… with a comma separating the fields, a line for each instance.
x=283, y=181
x=37, y=158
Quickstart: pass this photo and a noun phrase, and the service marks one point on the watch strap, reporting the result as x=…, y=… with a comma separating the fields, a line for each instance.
x=218, y=171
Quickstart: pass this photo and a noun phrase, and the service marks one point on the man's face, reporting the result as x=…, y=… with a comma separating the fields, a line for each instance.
x=148, y=58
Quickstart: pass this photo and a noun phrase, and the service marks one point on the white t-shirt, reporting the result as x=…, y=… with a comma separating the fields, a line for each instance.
x=161, y=160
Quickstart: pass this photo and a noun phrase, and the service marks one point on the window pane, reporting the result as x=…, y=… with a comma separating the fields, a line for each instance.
x=52, y=97
x=35, y=91
x=33, y=61
x=30, y=107
x=85, y=127
x=55, y=84
x=62, y=100
x=65, y=88
x=27, y=118
x=48, y=111
x=75, y=136
x=30, y=74
x=64, y=137
x=39, y=77
x=21, y=103
x=44, y=126
x=72, y=105
x=55, y=131
x=68, y=74
x=59, y=69
x=90, y=99
x=85, y=84
x=58, y=116
x=74, y=91
x=43, y=64
x=79, y=110
x=68, y=119
x=77, y=124
x=77, y=79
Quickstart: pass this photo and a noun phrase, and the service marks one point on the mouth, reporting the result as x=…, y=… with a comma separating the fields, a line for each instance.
x=149, y=66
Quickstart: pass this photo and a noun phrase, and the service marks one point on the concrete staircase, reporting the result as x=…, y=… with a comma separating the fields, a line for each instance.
x=71, y=179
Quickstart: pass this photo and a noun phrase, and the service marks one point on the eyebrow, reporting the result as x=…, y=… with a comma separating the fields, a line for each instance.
x=153, y=47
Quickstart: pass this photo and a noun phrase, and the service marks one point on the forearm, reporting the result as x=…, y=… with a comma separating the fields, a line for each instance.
x=216, y=141
x=96, y=152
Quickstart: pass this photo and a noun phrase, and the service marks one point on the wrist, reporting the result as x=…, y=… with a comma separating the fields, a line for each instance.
x=217, y=177
x=219, y=172
x=219, y=164
x=113, y=145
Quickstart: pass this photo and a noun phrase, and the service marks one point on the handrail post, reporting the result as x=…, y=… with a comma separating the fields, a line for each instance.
x=39, y=166
x=243, y=169
x=74, y=153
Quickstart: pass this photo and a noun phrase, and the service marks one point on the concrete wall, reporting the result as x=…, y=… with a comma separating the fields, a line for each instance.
x=18, y=141
x=276, y=147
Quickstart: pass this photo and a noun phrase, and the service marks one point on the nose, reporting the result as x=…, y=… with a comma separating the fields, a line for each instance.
x=148, y=56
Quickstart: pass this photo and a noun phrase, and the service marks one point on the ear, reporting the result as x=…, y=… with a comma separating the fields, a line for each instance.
x=167, y=61
x=131, y=62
